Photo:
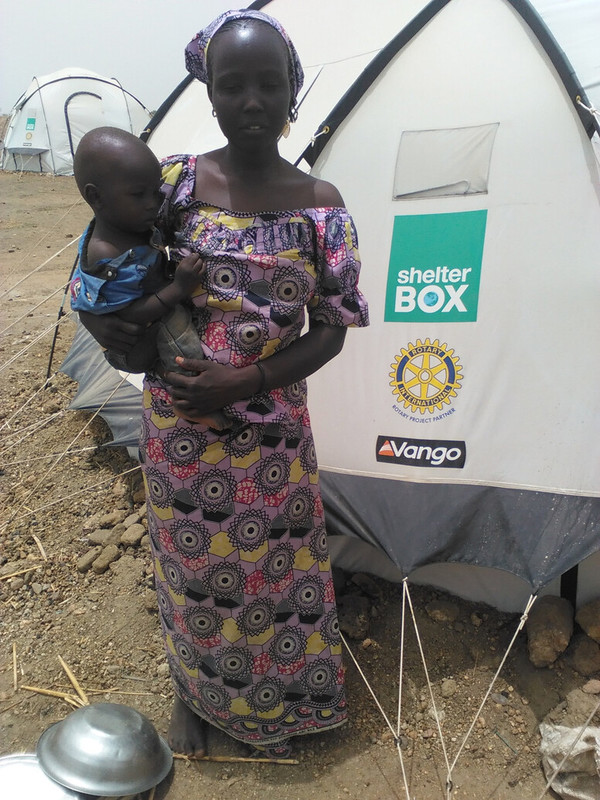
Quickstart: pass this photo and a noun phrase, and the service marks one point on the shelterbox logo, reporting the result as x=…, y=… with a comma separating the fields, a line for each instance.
x=435, y=267
x=421, y=452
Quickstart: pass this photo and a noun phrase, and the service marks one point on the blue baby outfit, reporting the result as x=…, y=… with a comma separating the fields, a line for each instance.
x=116, y=282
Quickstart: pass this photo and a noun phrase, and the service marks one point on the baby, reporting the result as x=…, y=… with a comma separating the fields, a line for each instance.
x=123, y=266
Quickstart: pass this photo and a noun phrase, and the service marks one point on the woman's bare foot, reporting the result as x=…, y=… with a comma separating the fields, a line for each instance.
x=187, y=731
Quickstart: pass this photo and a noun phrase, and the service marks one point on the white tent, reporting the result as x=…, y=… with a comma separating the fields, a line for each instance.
x=49, y=119
x=458, y=134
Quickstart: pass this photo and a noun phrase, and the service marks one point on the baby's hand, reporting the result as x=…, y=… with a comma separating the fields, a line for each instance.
x=188, y=273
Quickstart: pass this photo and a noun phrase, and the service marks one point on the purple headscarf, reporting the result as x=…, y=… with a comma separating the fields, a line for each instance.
x=197, y=49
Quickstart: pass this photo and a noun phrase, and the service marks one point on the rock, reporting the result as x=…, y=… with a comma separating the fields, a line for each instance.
x=150, y=601
x=132, y=519
x=588, y=616
x=475, y=620
x=106, y=536
x=572, y=711
x=163, y=670
x=591, y=687
x=353, y=616
x=105, y=559
x=132, y=536
x=442, y=610
x=448, y=687
x=549, y=629
x=10, y=567
x=91, y=523
x=112, y=518
x=585, y=655
x=85, y=562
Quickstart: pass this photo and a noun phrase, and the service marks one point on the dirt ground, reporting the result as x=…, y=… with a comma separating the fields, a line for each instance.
x=105, y=628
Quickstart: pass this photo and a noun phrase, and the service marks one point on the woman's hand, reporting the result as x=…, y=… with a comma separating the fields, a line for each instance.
x=112, y=332
x=217, y=385
x=211, y=388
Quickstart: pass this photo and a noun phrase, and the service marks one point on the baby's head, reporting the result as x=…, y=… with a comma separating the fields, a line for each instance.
x=119, y=177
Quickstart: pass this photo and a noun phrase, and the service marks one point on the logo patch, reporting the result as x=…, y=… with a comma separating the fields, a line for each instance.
x=421, y=452
x=435, y=267
x=425, y=376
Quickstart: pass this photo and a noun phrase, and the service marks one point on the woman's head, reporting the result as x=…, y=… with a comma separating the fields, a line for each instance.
x=238, y=28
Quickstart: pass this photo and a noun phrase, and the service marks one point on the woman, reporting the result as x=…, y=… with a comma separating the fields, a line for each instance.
x=236, y=519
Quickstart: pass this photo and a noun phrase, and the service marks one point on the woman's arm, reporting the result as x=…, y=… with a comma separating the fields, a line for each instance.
x=112, y=332
x=218, y=385
x=135, y=343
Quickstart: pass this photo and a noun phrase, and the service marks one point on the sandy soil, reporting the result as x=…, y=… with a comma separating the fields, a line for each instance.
x=105, y=627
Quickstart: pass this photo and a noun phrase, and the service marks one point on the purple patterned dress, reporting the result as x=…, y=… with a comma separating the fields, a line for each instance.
x=244, y=583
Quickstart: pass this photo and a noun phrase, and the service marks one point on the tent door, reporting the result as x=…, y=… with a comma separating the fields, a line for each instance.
x=83, y=111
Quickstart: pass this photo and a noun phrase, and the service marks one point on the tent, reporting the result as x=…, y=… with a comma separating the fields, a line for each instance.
x=459, y=449
x=49, y=119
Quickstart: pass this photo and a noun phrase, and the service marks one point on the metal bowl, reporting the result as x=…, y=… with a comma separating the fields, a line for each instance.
x=22, y=777
x=105, y=749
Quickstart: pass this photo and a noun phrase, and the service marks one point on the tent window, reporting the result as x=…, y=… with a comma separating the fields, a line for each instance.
x=446, y=162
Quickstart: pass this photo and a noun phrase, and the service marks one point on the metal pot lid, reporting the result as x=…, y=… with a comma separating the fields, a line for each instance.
x=105, y=749
x=22, y=778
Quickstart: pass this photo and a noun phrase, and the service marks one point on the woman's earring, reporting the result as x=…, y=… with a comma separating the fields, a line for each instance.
x=286, y=129
x=213, y=112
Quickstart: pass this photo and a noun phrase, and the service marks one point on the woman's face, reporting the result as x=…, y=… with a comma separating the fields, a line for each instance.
x=249, y=85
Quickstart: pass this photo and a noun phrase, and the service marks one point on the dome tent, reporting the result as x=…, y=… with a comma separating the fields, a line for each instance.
x=49, y=119
x=461, y=439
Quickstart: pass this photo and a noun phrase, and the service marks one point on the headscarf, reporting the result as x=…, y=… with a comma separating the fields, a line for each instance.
x=197, y=50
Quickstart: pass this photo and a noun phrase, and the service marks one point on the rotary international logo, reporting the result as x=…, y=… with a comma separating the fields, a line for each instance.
x=425, y=376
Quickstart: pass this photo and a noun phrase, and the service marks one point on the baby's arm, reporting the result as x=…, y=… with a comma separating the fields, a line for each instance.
x=152, y=306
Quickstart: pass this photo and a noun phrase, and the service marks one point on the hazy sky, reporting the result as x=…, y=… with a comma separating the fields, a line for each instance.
x=140, y=42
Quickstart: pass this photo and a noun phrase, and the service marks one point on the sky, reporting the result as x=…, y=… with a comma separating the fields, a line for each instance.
x=140, y=42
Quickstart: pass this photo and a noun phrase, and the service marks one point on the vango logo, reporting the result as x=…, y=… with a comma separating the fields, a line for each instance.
x=421, y=452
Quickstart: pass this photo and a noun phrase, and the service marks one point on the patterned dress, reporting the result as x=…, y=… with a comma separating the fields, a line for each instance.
x=236, y=523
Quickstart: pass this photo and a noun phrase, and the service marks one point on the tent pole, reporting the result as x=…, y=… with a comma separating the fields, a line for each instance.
x=61, y=314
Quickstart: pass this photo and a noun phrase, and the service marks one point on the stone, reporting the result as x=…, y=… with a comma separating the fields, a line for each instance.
x=132, y=519
x=132, y=536
x=150, y=601
x=574, y=709
x=549, y=629
x=448, y=687
x=591, y=687
x=87, y=559
x=105, y=559
x=91, y=523
x=10, y=567
x=442, y=611
x=588, y=617
x=585, y=655
x=106, y=536
x=112, y=518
